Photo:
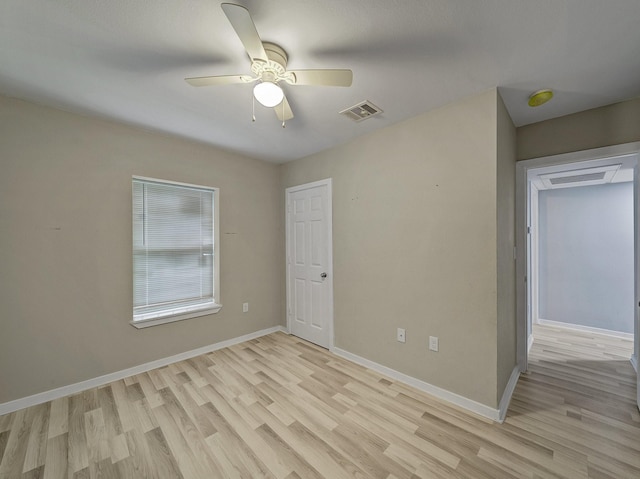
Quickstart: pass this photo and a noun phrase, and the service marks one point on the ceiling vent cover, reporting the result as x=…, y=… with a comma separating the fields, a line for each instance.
x=361, y=111
x=578, y=178
x=583, y=177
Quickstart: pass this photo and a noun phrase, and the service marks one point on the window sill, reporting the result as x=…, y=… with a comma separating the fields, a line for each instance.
x=145, y=323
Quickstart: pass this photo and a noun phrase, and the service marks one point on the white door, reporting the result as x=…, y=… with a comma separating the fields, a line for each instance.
x=309, y=263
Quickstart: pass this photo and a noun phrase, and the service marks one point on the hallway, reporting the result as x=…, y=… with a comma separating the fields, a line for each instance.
x=577, y=402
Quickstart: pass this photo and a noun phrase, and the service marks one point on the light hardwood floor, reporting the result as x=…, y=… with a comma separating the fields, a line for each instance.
x=279, y=407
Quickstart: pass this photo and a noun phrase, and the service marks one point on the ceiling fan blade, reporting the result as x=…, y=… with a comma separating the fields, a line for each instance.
x=219, y=80
x=242, y=23
x=322, y=77
x=283, y=110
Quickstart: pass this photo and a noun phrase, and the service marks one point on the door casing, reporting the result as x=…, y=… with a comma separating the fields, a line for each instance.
x=595, y=156
x=329, y=267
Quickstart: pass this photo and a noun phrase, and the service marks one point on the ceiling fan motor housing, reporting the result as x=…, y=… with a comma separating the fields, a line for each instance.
x=275, y=68
x=276, y=54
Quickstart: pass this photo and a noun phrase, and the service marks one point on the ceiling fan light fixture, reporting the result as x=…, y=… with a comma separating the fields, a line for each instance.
x=540, y=98
x=268, y=94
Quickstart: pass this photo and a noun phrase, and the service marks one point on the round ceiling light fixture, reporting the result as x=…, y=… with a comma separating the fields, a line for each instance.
x=540, y=97
x=268, y=94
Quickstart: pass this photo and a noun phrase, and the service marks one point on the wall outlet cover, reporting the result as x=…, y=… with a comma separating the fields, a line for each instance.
x=401, y=335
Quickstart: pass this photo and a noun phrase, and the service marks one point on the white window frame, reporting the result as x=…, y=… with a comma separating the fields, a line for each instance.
x=187, y=312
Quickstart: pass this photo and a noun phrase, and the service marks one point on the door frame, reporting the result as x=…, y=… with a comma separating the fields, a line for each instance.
x=329, y=280
x=523, y=205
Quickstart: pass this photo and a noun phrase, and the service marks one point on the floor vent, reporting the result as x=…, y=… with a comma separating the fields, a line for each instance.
x=361, y=111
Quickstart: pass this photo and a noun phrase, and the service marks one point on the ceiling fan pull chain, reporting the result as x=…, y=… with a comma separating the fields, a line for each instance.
x=283, y=120
x=253, y=108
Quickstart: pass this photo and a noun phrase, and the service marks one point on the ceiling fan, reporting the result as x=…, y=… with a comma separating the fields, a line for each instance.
x=269, y=67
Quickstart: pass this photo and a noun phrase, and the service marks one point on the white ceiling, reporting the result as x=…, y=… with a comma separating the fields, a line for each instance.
x=127, y=60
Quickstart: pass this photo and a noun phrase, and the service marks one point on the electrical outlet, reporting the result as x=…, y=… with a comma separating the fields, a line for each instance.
x=402, y=335
x=433, y=343
x=245, y=307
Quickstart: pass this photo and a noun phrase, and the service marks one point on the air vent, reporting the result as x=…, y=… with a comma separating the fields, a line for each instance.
x=361, y=111
x=582, y=177
x=577, y=178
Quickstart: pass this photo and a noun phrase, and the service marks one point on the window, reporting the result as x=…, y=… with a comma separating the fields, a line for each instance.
x=175, y=254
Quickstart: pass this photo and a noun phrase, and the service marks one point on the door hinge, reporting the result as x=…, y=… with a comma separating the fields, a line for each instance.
x=528, y=230
x=525, y=279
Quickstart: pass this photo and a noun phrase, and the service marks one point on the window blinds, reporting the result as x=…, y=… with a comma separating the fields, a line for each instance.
x=173, y=251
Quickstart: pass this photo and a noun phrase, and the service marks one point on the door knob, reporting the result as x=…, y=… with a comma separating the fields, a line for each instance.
x=323, y=275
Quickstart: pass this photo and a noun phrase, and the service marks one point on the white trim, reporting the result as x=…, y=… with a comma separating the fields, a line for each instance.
x=11, y=406
x=534, y=252
x=306, y=186
x=634, y=362
x=145, y=323
x=588, y=329
x=461, y=401
x=175, y=183
x=328, y=182
x=508, y=392
x=530, y=343
x=522, y=269
x=605, y=153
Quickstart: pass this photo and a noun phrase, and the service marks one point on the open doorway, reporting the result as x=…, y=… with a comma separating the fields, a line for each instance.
x=581, y=251
x=590, y=168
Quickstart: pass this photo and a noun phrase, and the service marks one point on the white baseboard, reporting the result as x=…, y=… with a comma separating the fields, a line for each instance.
x=466, y=403
x=634, y=362
x=7, y=407
x=508, y=392
x=588, y=329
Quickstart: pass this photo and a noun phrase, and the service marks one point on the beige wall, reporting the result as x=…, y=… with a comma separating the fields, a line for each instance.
x=609, y=125
x=506, y=194
x=65, y=255
x=423, y=238
x=415, y=244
